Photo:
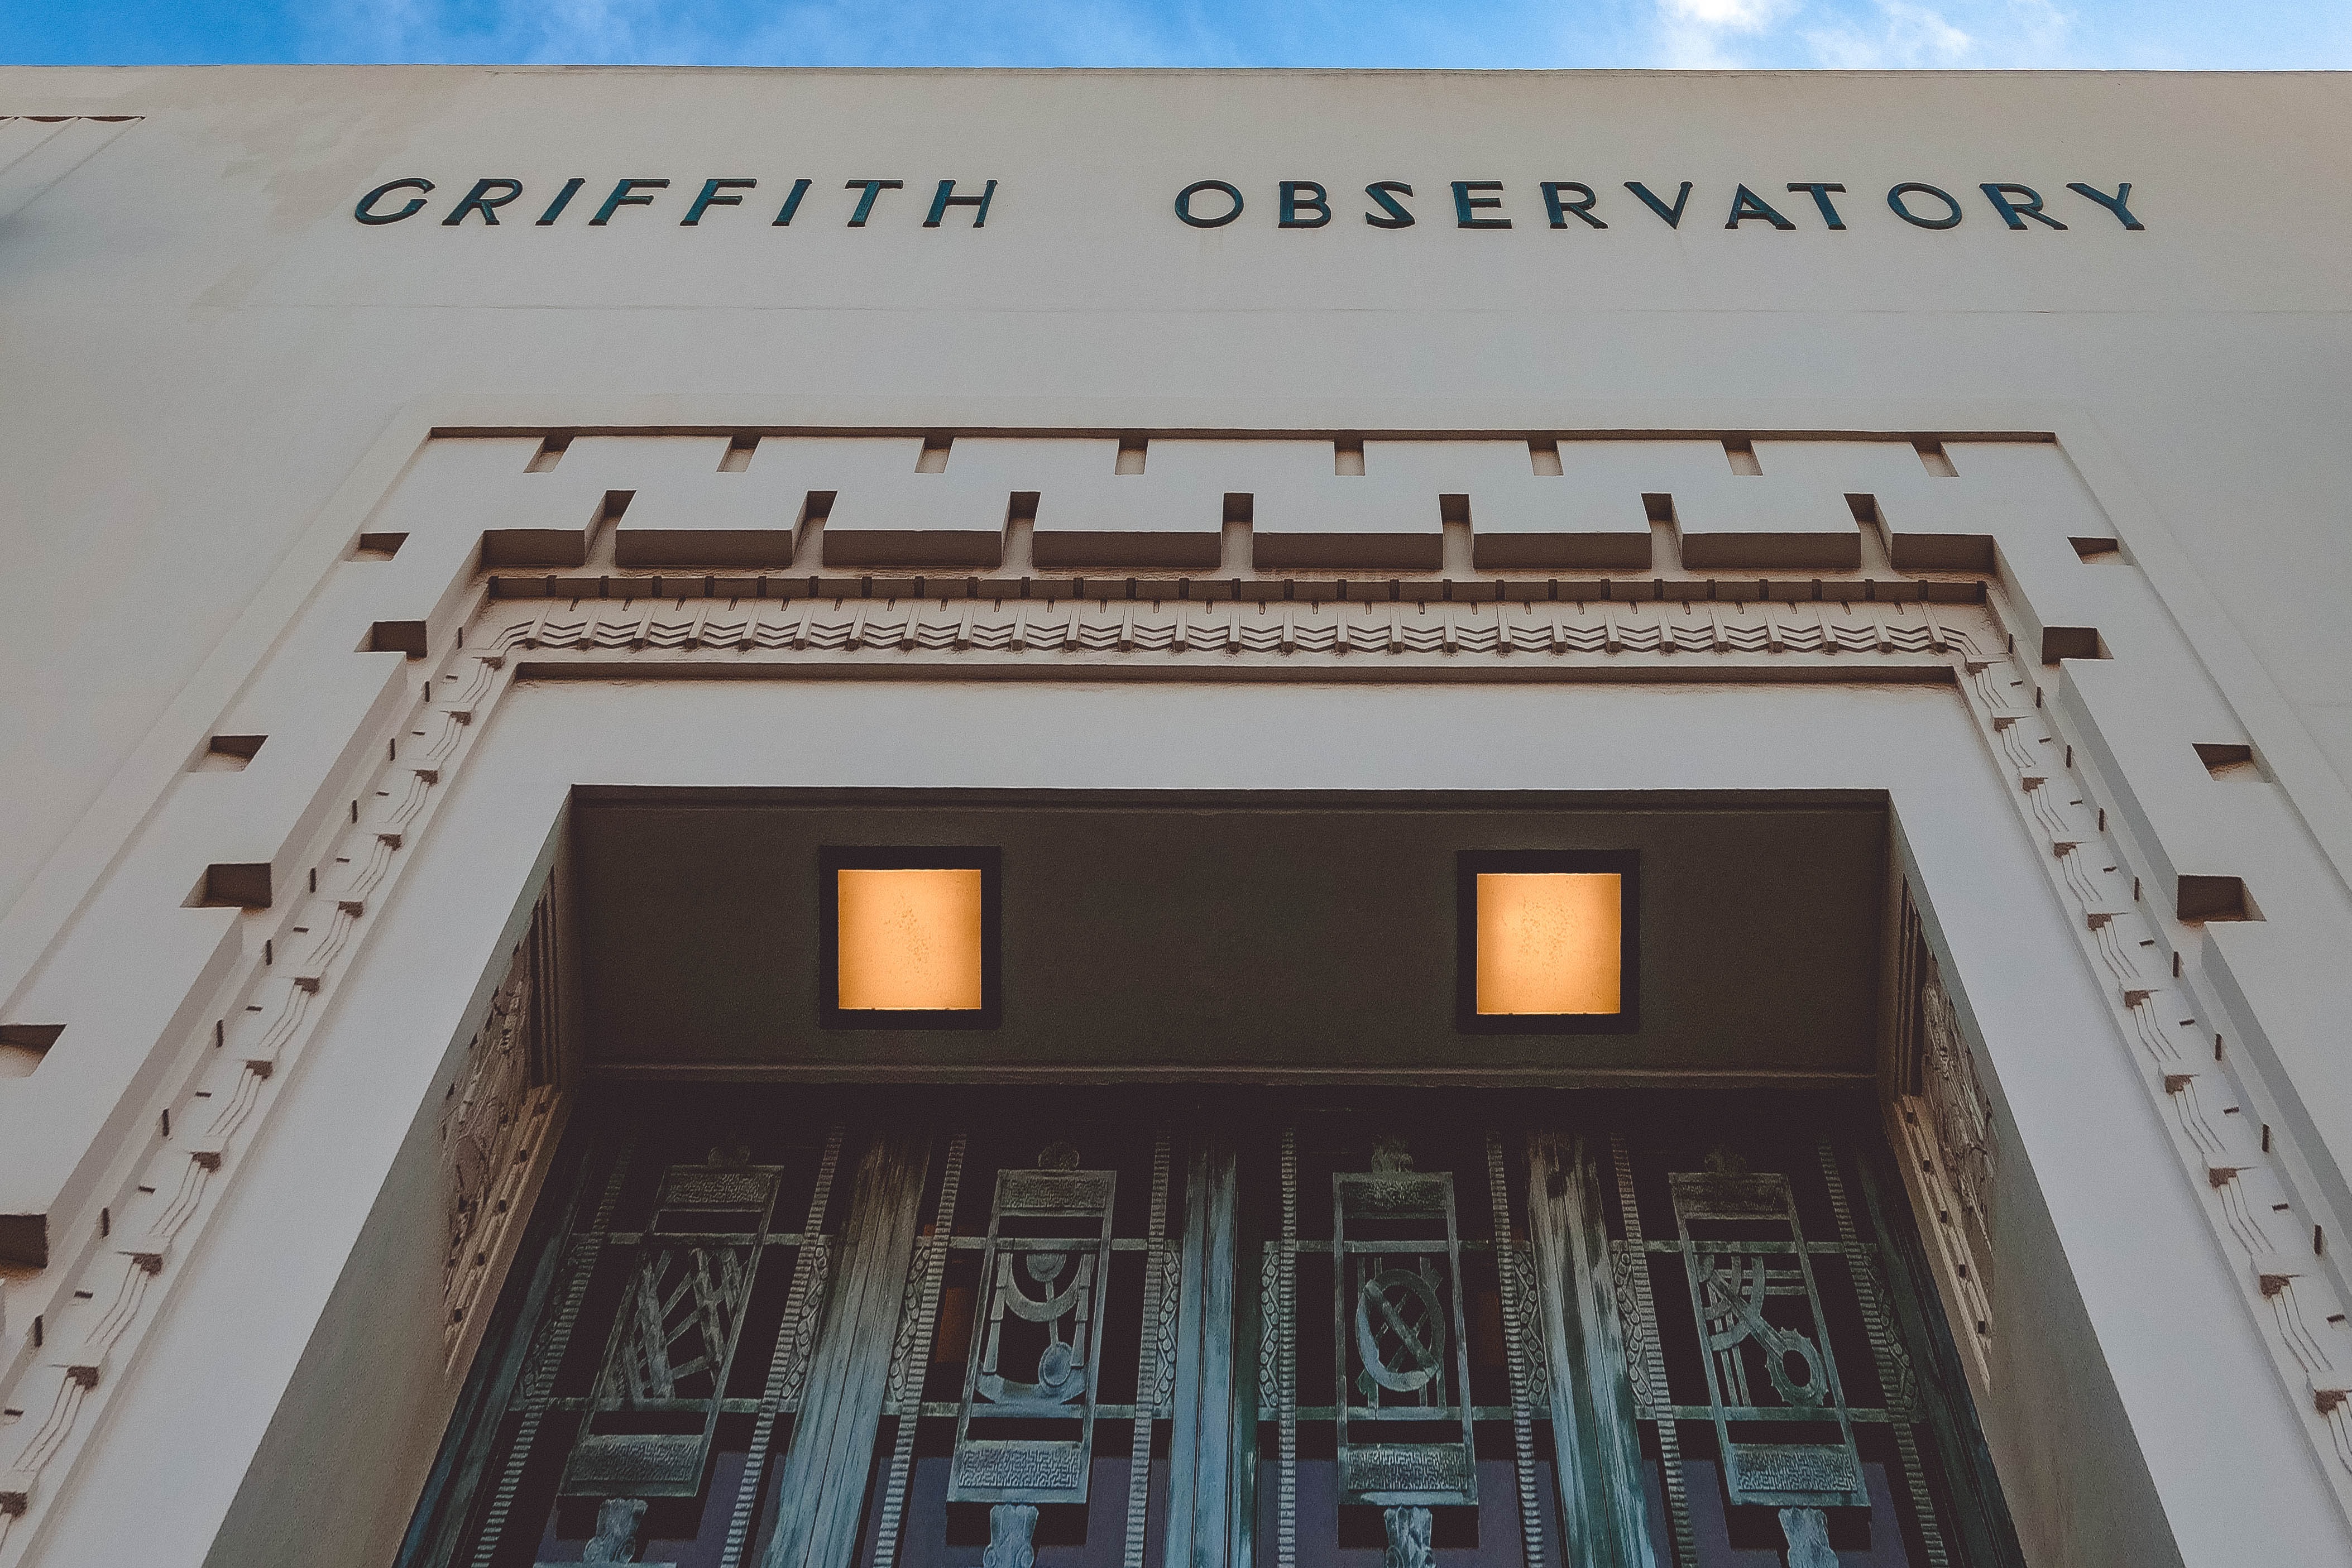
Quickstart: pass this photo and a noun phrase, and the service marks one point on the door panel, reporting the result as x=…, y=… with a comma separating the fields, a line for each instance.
x=1069, y=1329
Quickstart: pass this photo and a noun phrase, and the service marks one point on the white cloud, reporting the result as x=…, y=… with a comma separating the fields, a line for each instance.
x=1861, y=34
x=1689, y=34
x=1726, y=15
x=1694, y=35
x=1901, y=34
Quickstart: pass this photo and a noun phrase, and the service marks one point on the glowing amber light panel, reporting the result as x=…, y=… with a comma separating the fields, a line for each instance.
x=1551, y=943
x=909, y=940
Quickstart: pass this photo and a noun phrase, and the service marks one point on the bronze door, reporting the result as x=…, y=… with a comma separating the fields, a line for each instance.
x=1061, y=1328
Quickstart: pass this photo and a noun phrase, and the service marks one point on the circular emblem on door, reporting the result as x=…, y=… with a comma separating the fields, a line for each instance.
x=1400, y=1331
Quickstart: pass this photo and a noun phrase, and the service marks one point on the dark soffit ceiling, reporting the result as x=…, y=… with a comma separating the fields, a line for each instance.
x=1271, y=936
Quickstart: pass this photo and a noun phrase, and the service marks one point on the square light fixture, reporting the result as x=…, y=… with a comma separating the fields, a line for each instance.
x=1547, y=941
x=907, y=939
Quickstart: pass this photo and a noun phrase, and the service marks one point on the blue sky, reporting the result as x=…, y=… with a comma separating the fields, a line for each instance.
x=2104, y=34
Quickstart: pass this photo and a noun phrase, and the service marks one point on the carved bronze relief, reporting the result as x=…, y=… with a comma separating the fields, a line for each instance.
x=1044, y=1279
x=1596, y=1331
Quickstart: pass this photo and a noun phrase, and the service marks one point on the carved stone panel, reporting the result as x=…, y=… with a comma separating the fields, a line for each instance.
x=496, y=1117
x=1942, y=1118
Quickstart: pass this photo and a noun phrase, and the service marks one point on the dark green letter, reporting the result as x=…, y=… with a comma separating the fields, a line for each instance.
x=1184, y=204
x=623, y=195
x=2114, y=204
x=1293, y=202
x=1952, y=208
x=366, y=212
x=947, y=198
x=1385, y=193
x=1560, y=210
x=480, y=200
x=1673, y=215
x=1467, y=206
x=1820, y=194
x=866, y=202
x=1746, y=204
x=712, y=198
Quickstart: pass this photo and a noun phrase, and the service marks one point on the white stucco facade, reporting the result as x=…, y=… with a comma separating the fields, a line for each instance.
x=342, y=552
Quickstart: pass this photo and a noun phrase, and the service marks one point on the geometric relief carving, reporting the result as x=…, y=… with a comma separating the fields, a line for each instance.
x=619, y=1526
x=1943, y=1120
x=1959, y=1113
x=1399, y=1338
x=993, y=1404
x=976, y=618
x=1784, y=1430
x=1760, y=1313
x=495, y=1119
x=1772, y=1306
x=1033, y=1357
x=658, y=1398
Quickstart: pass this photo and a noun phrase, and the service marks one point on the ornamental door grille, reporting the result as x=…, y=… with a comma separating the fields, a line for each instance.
x=1073, y=1329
